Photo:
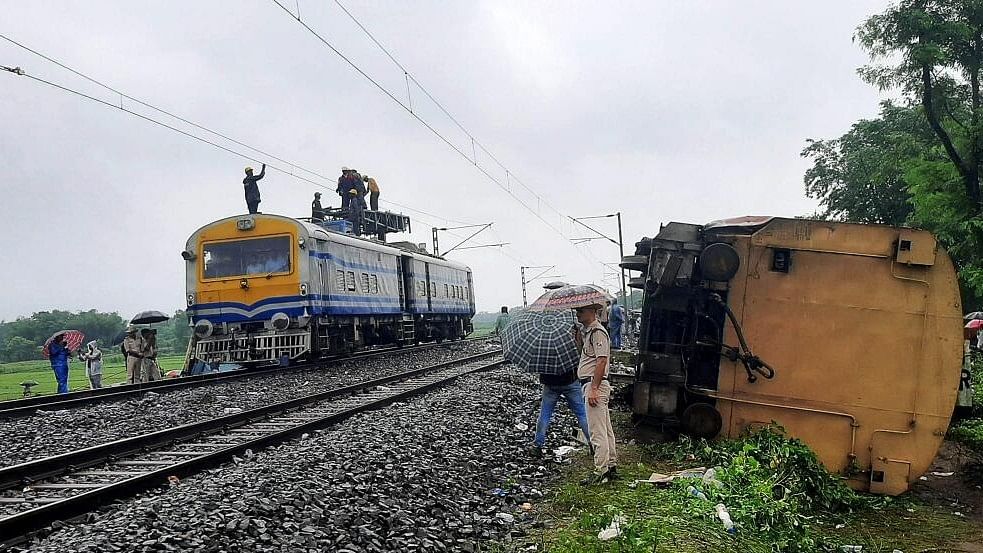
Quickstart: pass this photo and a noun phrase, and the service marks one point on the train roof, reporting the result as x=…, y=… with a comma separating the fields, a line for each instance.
x=318, y=232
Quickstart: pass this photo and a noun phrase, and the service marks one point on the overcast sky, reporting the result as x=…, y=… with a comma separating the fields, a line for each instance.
x=664, y=111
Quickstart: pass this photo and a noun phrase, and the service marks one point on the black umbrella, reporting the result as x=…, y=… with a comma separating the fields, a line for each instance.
x=148, y=317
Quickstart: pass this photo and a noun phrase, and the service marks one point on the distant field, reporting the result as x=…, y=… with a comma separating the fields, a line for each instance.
x=113, y=372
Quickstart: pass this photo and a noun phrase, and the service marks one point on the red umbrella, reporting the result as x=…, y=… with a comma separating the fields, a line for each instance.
x=975, y=324
x=73, y=339
x=571, y=297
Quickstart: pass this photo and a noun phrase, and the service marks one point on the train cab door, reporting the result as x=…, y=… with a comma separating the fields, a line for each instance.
x=431, y=288
x=405, y=278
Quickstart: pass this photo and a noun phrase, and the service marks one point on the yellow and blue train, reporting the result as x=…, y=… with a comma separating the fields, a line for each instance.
x=262, y=288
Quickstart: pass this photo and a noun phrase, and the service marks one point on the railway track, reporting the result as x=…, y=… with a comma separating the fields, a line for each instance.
x=27, y=406
x=37, y=493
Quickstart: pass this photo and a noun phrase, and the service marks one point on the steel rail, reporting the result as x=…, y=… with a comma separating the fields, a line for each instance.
x=135, y=462
x=24, y=407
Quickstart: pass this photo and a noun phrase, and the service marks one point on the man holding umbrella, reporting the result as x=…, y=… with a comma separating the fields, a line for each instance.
x=59, y=354
x=133, y=347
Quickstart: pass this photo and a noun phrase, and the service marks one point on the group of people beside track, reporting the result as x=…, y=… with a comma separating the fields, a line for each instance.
x=139, y=348
x=587, y=389
x=352, y=189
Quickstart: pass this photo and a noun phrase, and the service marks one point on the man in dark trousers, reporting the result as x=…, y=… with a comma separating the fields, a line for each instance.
x=317, y=212
x=252, y=189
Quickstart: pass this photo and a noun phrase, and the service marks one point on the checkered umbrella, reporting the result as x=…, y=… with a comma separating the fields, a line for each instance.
x=541, y=341
x=571, y=296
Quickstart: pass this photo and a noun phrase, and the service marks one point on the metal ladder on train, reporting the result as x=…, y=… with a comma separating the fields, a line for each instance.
x=407, y=329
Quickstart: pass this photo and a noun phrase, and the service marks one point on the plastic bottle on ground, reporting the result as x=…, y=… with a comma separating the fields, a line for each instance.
x=710, y=479
x=724, y=517
x=696, y=493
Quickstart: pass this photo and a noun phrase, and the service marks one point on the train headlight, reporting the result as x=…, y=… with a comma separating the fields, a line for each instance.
x=303, y=289
x=191, y=300
x=280, y=321
x=203, y=329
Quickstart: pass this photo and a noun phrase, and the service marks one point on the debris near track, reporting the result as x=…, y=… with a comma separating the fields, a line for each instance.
x=420, y=476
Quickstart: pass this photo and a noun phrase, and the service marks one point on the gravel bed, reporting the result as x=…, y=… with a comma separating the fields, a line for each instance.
x=447, y=471
x=53, y=432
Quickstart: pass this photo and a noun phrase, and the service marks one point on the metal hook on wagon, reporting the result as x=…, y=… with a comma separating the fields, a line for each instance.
x=752, y=363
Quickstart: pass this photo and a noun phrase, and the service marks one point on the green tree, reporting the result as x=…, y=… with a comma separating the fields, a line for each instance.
x=17, y=348
x=861, y=175
x=933, y=51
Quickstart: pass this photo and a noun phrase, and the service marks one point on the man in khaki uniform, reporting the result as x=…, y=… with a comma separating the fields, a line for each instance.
x=133, y=349
x=593, y=375
x=151, y=371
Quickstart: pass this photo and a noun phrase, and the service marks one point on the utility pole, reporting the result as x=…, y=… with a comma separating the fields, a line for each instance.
x=522, y=273
x=619, y=242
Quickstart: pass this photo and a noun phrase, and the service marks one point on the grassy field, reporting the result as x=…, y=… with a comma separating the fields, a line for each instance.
x=113, y=372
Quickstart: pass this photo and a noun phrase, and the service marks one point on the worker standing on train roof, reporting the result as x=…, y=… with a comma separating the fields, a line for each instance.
x=317, y=212
x=359, y=186
x=252, y=189
x=133, y=349
x=344, y=185
x=373, y=187
x=355, y=211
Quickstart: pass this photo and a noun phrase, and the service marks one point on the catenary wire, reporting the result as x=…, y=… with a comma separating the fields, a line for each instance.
x=144, y=103
x=422, y=121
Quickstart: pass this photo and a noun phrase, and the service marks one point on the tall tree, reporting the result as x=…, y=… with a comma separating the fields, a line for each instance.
x=933, y=50
x=861, y=175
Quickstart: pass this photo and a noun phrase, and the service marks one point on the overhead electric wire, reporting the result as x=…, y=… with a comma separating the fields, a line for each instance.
x=440, y=105
x=155, y=108
x=185, y=120
x=422, y=121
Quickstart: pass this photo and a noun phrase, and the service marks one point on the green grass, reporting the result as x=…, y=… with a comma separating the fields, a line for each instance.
x=113, y=372
x=787, y=505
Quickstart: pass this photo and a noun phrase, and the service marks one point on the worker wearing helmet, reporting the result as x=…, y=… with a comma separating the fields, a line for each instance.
x=317, y=212
x=344, y=184
x=252, y=189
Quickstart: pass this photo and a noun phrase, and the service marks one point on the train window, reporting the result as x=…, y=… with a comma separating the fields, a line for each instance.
x=420, y=288
x=446, y=293
x=375, y=284
x=339, y=280
x=365, y=282
x=256, y=256
x=350, y=281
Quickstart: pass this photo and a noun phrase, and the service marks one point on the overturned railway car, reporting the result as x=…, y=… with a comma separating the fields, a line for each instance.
x=262, y=287
x=848, y=335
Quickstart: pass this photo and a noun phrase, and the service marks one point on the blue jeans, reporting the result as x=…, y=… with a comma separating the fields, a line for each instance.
x=574, y=395
x=61, y=376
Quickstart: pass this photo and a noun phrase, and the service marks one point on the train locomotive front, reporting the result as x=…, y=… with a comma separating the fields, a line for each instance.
x=264, y=288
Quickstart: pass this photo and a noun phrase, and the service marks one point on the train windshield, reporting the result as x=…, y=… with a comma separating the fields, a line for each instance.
x=257, y=256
